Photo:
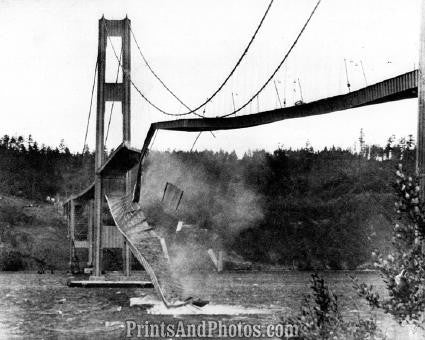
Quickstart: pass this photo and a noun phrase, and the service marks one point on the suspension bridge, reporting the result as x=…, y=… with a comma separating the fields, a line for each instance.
x=127, y=214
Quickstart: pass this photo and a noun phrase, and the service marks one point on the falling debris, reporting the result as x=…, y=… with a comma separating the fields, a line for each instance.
x=159, y=309
x=172, y=196
x=146, y=245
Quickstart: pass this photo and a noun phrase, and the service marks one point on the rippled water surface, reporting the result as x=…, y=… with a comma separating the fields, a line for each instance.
x=34, y=306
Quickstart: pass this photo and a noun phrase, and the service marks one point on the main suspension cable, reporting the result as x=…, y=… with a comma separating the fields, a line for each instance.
x=158, y=78
x=278, y=67
x=131, y=81
x=255, y=95
x=218, y=89
x=153, y=72
x=91, y=104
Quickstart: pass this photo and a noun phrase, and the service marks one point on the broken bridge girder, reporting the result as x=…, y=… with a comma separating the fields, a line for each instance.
x=147, y=246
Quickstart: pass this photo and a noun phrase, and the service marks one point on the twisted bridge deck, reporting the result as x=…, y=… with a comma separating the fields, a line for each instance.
x=401, y=87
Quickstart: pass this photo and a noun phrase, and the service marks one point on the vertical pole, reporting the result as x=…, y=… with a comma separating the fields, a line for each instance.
x=126, y=63
x=100, y=130
x=72, y=232
x=68, y=220
x=126, y=249
x=90, y=234
x=420, y=147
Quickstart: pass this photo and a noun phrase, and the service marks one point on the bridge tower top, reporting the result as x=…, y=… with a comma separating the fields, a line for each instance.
x=113, y=91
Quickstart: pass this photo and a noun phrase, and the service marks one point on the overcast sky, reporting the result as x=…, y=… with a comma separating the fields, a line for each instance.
x=49, y=51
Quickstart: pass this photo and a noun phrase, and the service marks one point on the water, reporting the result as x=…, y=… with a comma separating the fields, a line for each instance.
x=42, y=306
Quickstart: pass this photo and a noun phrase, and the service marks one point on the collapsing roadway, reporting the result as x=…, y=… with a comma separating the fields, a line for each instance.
x=128, y=214
x=401, y=87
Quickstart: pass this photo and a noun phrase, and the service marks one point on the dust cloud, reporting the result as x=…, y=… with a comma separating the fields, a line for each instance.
x=216, y=206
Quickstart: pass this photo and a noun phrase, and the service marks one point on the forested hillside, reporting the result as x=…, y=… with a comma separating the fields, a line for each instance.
x=299, y=208
x=32, y=171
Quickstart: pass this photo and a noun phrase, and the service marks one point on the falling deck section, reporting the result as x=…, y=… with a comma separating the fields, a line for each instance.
x=145, y=244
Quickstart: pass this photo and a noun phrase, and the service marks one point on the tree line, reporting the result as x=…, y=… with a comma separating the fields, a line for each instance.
x=35, y=171
x=313, y=208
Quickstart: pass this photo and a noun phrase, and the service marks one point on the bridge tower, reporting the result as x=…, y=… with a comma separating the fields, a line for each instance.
x=110, y=92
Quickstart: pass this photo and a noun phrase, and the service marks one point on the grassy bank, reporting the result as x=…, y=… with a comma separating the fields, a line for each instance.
x=32, y=235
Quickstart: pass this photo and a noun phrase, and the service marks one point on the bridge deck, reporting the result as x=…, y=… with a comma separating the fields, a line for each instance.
x=400, y=87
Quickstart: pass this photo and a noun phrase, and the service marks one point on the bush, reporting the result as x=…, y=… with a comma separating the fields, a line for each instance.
x=320, y=317
x=404, y=269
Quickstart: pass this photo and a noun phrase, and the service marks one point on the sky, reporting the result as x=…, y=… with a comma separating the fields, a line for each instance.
x=49, y=52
